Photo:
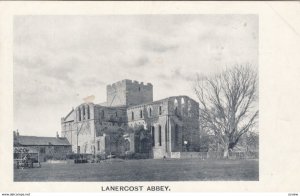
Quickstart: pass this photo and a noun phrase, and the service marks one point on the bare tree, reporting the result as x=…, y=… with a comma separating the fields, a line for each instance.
x=228, y=104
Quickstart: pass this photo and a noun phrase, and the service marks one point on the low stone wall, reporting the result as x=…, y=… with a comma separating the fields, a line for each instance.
x=175, y=155
x=186, y=155
x=57, y=161
x=159, y=153
x=214, y=155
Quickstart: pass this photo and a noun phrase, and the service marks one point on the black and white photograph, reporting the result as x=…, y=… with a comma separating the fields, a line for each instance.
x=161, y=97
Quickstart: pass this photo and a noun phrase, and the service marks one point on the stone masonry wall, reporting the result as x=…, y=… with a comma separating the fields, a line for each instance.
x=174, y=121
x=184, y=115
x=153, y=116
x=128, y=93
x=81, y=129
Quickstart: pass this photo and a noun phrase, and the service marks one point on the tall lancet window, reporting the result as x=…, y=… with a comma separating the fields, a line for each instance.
x=79, y=114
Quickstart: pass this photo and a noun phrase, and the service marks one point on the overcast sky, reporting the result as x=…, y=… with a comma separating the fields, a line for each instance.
x=59, y=60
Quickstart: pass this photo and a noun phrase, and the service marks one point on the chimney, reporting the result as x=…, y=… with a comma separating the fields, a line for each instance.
x=15, y=138
x=57, y=136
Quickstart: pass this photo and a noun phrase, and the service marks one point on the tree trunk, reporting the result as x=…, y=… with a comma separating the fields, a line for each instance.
x=226, y=153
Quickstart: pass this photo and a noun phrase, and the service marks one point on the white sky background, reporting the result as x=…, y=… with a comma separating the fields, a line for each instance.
x=59, y=60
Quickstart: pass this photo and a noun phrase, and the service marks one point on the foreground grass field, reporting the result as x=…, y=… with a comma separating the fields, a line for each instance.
x=144, y=170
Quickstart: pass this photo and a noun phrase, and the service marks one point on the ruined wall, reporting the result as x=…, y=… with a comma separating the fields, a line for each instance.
x=110, y=114
x=172, y=122
x=153, y=117
x=184, y=114
x=100, y=145
x=128, y=93
x=68, y=127
x=108, y=121
x=80, y=130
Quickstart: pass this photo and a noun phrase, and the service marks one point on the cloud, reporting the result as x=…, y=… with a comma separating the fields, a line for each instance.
x=178, y=75
x=162, y=76
x=187, y=76
x=92, y=82
x=62, y=71
x=58, y=60
x=159, y=47
x=141, y=61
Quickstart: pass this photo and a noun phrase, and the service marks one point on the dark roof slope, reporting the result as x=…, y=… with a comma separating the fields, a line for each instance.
x=41, y=141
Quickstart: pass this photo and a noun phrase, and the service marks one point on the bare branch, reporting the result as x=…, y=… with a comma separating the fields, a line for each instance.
x=227, y=103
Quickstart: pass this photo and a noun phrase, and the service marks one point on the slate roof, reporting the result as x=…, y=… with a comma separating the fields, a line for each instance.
x=42, y=141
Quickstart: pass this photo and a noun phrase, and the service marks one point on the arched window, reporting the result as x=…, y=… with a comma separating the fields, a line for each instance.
x=189, y=105
x=175, y=103
x=141, y=113
x=116, y=114
x=182, y=105
x=132, y=116
x=88, y=112
x=83, y=112
x=102, y=113
x=175, y=106
x=79, y=114
x=159, y=135
x=160, y=110
x=150, y=111
x=182, y=101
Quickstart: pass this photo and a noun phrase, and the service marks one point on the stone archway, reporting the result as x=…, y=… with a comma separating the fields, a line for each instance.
x=126, y=145
x=145, y=145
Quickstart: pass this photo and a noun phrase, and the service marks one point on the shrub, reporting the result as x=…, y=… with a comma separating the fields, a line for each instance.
x=140, y=156
x=100, y=156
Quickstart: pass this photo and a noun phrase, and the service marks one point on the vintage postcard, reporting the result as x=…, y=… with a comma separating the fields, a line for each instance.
x=148, y=96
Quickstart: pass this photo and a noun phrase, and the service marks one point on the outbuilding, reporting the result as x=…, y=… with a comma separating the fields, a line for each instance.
x=48, y=148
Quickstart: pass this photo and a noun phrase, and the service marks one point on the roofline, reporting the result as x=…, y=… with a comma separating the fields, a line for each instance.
x=44, y=145
x=41, y=136
x=115, y=107
x=167, y=98
x=147, y=103
x=69, y=113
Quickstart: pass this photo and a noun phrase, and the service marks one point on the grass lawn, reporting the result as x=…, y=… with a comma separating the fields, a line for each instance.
x=144, y=170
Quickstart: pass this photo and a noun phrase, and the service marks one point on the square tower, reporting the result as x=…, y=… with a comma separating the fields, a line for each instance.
x=128, y=93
